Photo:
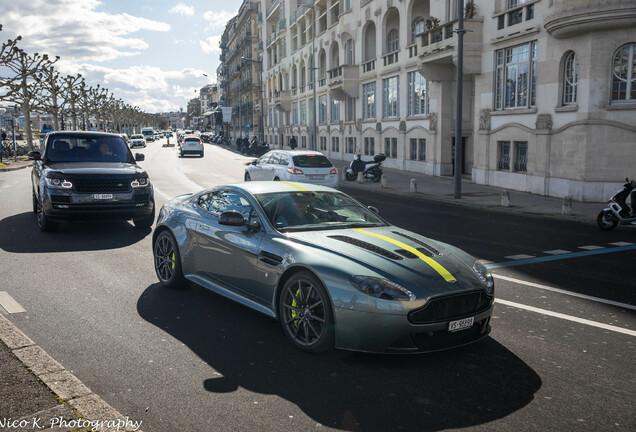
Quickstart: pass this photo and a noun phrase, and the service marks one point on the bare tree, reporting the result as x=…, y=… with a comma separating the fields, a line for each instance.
x=71, y=94
x=51, y=97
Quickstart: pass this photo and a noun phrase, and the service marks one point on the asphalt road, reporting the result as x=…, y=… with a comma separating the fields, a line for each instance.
x=559, y=356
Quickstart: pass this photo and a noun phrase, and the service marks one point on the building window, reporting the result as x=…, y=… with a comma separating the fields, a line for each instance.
x=295, y=113
x=570, y=78
x=392, y=41
x=418, y=94
x=624, y=74
x=350, y=109
x=521, y=156
x=323, y=143
x=349, y=52
x=390, y=147
x=368, y=101
x=515, y=77
x=390, y=107
x=335, y=110
x=504, y=155
x=303, y=142
x=322, y=111
x=303, y=112
x=369, y=146
x=418, y=149
x=335, y=144
x=417, y=27
x=351, y=144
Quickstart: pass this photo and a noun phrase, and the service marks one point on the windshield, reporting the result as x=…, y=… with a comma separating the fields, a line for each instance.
x=87, y=148
x=304, y=211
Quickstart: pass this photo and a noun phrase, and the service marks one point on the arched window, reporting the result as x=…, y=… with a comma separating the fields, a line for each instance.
x=570, y=78
x=392, y=41
x=416, y=27
x=624, y=74
x=349, y=57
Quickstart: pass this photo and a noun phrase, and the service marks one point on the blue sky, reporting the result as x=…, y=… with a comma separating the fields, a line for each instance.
x=150, y=53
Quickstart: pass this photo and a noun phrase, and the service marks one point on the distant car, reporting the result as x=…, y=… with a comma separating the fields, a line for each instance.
x=331, y=270
x=296, y=166
x=89, y=175
x=126, y=138
x=191, y=144
x=137, y=140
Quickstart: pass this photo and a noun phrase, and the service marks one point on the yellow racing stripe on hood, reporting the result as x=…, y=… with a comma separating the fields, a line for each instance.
x=436, y=266
x=294, y=185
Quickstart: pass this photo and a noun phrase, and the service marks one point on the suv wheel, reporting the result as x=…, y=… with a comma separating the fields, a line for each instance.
x=145, y=222
x=44, y=223
x=35, y=203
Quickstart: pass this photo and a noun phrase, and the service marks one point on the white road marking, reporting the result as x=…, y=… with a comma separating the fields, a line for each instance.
x=560, y=291
x=9, y=304
x=557, y=252
x=519, y=257
x=622, y=244
x=157, y=190
x=567, y=317
x=591, y=247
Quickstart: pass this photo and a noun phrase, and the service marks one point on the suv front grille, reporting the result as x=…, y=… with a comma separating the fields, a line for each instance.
x=101, y=185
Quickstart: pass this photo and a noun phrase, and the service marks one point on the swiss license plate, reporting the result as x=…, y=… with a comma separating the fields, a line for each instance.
x=461, y=324
x=103, y=196
x=316, y=177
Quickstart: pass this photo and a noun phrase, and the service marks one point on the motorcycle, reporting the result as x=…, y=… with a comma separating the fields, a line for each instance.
x=619, y=212
x=371, y=170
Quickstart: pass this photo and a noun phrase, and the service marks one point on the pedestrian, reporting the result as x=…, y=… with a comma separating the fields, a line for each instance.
x=292, y=142
x=238, y=142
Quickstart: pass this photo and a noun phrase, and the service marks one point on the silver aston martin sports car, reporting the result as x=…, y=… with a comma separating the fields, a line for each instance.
x=333, y=272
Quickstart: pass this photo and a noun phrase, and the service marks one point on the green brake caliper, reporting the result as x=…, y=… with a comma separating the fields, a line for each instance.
x=294, y=304
x=172, y=259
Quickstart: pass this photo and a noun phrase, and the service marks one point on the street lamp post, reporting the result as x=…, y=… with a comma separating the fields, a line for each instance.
x=460, y=83
x=311, y=5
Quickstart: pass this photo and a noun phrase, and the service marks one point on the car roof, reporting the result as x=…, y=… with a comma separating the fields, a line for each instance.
x=262, y=187
x=84, y=133
x=299, y=152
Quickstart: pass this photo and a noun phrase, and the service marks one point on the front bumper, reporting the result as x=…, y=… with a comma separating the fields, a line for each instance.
x=390, y=333
x=66, y=205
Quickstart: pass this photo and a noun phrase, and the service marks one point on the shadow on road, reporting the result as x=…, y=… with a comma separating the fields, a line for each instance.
x=349, y=391
x=20, y=234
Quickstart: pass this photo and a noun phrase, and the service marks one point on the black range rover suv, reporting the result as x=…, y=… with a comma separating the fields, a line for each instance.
x=89, y=175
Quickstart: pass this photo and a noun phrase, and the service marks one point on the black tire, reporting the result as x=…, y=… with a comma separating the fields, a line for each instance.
x=350, y=176
x=201, y=154
x=377, y=175
x=44, y=222
x=167, y=261
x=145, y=222
x=247, y=177
x=306, y=313
x=276, y=179
x=606, y=220
x=35, y=203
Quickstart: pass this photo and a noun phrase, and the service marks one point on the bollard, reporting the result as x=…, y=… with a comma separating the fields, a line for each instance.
x=566, y=208
x=505, y=199
x=360, y=177
x=413, y=185
x=384, y=180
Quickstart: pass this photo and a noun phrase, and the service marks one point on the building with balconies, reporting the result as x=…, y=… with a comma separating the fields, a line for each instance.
x=549, y=94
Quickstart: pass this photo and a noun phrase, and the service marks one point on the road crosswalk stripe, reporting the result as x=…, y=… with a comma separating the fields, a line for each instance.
x=9, y=304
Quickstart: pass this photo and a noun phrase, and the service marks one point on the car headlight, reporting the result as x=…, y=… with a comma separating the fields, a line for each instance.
x=381, y=288
x=58, y=183
x=484, y=275
x=140, y=182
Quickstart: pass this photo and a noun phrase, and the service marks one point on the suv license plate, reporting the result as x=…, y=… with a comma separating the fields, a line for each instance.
x=103, y=196
x=461, y=324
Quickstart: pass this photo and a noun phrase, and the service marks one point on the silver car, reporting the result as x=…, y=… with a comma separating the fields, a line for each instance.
x=295, y=166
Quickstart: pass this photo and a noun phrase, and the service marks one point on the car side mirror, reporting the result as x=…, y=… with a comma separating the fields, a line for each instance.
x=34, y=155
x=254, y=162
x=139, y=157
x=374, y=209
x=232, y=218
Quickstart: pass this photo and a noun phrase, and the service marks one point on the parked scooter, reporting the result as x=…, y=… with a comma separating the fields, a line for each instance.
x=372, y=169
x=619, y=211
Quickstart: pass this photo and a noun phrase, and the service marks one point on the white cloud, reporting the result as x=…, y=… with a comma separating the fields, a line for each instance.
x=182, y=9
x=211, y=45
x=218, y=19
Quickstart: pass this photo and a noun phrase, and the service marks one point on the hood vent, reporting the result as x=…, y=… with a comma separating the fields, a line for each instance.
x=368, y=246
x=428, y=249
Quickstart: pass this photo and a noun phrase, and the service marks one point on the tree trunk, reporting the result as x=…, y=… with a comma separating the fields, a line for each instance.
x=73, y=115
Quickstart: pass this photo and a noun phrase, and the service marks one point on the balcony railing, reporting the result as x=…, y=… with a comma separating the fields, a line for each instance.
x=368, y=66
x=390, y=58
x=272, y=8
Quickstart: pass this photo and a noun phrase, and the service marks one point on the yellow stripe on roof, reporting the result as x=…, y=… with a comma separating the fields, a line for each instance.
x=436, y=266
x=294, y=185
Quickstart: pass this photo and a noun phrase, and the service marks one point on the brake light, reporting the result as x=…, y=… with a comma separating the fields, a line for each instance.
x=295, y=171
x=334, y=171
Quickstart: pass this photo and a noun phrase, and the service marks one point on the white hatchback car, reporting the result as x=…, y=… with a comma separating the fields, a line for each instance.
x=137, y=140
x=304, y=166
x=191, y=144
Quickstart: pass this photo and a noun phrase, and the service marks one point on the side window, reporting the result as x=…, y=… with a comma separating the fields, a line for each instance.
x=221, y=201
x=284, y=160
x=263, y=160
x=274, y=160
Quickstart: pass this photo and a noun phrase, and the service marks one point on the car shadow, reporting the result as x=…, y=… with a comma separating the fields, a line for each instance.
x=20, y=234
x=458, y=388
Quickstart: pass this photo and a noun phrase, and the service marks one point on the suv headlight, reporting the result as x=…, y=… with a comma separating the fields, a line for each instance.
x=381, y=288
x=140, y=182
x=58, y=183
x=484, y=275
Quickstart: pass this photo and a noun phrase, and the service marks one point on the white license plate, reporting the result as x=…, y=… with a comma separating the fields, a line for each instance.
x=103, y=196
x=316, y=177
x=461, y=324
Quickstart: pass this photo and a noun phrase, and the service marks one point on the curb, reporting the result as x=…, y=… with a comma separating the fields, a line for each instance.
x=12, y=168
x=93, y=411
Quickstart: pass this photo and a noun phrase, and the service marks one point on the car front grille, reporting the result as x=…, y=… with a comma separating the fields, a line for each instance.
x=451, y=307
x=101, y=185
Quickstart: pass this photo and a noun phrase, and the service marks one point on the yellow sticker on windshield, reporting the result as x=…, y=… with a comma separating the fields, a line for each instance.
x=436, y=266
x=294, y=185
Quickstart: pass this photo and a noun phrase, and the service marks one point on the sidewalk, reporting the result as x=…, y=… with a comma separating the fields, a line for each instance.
x=474, y=195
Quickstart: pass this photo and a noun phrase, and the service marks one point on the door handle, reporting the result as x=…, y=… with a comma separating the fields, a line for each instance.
x=204, y=227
